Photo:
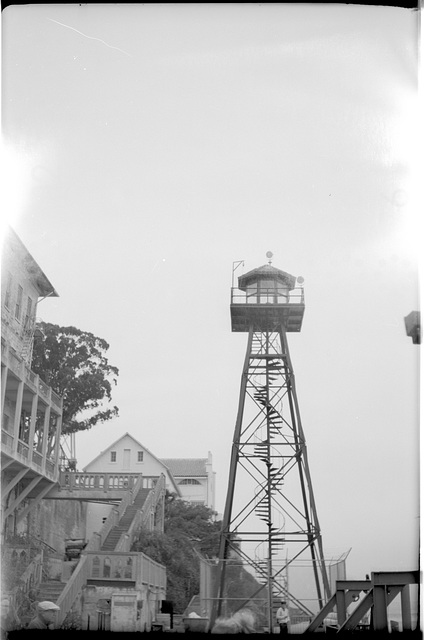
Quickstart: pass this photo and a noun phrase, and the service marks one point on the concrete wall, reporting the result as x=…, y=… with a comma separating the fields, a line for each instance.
x=95, y=514
x=55, y=520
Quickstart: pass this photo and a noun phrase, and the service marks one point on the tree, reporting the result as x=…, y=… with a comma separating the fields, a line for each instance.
x=73, y=363
x=188, y=529
x=191, y=529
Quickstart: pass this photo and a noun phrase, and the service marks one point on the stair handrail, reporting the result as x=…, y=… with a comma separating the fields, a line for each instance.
x=141, y=516
x=79, y=577
x=75, y=583
x=30, y=578
x=97, y=539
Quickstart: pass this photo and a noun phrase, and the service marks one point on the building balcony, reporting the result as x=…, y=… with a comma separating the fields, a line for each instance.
x=31, y=419
x=16, y=364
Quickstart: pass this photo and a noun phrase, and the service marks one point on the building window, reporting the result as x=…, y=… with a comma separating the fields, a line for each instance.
x=8, y=290
x=18, y=306
x=139, y=456
x=113, y=456
x=27, y=323
x=189, y=481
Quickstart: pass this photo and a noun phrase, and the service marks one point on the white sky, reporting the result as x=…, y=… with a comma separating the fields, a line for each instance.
x=150, y=146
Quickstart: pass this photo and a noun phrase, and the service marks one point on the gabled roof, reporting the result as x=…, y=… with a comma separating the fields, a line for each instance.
x=138, y=443
x=187, y=467
x=111, y=446
x=38, y=277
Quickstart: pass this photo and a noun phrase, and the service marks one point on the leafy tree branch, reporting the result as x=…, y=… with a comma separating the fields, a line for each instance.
x=74, y=364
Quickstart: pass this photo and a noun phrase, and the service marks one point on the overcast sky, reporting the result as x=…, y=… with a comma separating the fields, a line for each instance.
x=151, y=146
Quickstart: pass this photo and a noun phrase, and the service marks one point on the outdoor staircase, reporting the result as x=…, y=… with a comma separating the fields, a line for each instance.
x=50, y=590
x=115, y=533
x=54, y=589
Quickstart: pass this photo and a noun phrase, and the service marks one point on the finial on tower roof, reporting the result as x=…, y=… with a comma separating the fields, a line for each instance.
x=269, y=255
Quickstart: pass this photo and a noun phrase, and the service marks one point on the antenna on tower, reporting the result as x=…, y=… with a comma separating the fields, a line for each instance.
x=236, y=265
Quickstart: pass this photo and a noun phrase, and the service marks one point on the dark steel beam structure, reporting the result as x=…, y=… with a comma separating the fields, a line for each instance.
x=267, y=446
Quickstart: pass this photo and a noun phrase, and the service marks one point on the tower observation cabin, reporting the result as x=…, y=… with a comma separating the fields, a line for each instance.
x=267, y=298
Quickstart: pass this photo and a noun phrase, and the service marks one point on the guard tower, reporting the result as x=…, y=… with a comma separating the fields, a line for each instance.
x=270, y=519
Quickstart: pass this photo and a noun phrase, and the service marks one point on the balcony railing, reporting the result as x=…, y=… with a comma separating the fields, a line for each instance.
x=125, y=567
x=37, y=458
x=23, y=448
x=19, y=367
x=71, y=481
x=7, y=439
x=57, y=400
x=50, y=467
x=45, y=390
x=30, y=376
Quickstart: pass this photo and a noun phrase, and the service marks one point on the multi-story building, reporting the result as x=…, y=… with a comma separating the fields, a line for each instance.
x=31, y=410
x=108, y=587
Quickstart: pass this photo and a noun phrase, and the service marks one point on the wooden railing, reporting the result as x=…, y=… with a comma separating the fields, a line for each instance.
x=152, y=573
x=113, y=518
x=74, y=585
x=28, y=581
x=33, y=573
x=125, y=567
x=75, y=481
x=142, y=516
x=7, y=439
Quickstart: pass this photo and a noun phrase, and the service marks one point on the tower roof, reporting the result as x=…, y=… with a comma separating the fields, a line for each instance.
x=266, y=271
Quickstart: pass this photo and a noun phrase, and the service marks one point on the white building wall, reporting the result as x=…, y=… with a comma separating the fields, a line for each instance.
x=126, y=460
x=194, y=492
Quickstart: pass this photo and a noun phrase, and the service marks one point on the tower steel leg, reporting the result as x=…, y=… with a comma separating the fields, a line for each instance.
x=224, y=540
x=269, y=443
x=303, y=453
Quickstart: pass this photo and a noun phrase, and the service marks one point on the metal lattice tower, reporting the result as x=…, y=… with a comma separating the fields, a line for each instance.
x=270, y=519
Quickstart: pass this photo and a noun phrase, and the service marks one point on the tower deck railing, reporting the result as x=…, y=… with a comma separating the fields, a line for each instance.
x=268, y=296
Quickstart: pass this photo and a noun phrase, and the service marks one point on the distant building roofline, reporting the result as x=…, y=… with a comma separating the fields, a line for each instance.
x=44, y=285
